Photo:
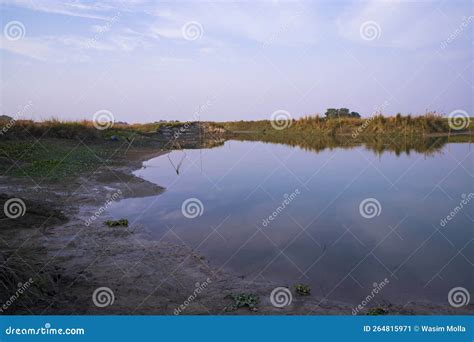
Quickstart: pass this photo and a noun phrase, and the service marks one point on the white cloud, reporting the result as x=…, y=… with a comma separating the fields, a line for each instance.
x=406, y=25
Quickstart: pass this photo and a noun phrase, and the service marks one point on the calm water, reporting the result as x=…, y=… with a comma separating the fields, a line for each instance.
x=319, y=237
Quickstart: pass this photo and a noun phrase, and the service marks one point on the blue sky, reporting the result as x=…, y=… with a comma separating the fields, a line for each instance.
x=220, y=60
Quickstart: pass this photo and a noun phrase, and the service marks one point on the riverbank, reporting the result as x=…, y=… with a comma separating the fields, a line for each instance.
x=68, y=255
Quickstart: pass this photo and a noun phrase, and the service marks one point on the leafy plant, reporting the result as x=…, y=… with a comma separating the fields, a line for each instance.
x=117, y=223
x=376, y=312
x=243, y=300
x=303, y=289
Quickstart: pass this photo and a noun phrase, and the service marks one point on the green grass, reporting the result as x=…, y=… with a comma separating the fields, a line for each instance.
x=242, y=300
x=117, y=223
x=303, y=289
x=430, y=123
x=52, y=158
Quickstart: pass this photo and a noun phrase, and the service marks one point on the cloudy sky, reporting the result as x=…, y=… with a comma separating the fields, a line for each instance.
x=220, y=60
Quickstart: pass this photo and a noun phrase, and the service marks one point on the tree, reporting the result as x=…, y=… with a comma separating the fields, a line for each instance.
x=341, y=113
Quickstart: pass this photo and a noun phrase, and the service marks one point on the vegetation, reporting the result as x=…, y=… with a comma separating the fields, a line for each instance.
x=54, y=149
x=349, y=125
x=376, y=312
x=117, y=223
x=303, y=289
x=341, y=113
x=52, y=158
x=242, y=300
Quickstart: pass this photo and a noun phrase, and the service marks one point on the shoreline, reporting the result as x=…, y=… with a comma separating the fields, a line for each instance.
x=147, y=277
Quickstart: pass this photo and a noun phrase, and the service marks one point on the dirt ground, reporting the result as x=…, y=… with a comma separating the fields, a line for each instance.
x=67, y=259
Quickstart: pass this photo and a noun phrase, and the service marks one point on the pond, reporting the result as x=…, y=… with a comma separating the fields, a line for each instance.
x=338, y=219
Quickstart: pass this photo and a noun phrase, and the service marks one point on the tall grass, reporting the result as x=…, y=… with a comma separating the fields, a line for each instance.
x=429, y=123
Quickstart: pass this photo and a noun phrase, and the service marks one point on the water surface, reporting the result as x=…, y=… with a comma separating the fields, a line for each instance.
x=319, y=237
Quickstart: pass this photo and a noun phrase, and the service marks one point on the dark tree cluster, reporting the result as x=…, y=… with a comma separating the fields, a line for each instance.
x=341, y=113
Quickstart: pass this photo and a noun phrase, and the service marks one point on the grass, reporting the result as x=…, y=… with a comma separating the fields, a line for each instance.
x=243, y=300
x=376, y=312
x=56, y=149
x=117, y=223
x=303, y=289
x=52, y=158
x=430, y=123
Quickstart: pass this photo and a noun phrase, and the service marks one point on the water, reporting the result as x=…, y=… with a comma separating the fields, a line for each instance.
x=319, y=236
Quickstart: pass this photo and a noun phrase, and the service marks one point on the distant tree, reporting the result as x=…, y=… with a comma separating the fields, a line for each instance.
x=332, y=113
x=344, y=112
x=5, y=118
x=355, y=115
x=341, y=113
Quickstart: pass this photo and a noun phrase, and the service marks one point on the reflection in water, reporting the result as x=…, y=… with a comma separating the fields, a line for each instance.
x=377, y=144
x=320, y=237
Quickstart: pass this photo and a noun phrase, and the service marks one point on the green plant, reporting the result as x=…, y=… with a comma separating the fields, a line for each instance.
x=376, y=312
x=117, y=223
x=303, y=289
x=243, y=300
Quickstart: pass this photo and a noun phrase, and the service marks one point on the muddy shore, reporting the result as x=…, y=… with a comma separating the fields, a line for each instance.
x=67, y=255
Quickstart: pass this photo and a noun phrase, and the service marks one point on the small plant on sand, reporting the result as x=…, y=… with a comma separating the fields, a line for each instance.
x=303, y=289
x=242, y=300
x=376, y=312
x=117, y=223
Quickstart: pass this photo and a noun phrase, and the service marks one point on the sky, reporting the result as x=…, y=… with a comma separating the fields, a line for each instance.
x=145, y=61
